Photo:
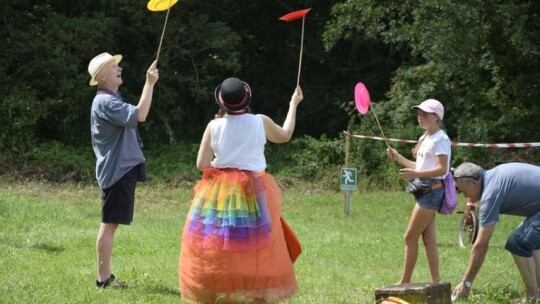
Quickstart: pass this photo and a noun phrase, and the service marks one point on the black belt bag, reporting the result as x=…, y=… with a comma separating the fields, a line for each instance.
x=419, y=189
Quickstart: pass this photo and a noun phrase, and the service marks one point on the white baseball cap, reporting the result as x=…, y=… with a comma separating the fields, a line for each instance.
x=98, y=62
x=431, y=106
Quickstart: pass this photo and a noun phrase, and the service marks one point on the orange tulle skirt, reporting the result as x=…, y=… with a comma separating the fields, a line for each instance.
x=233, y=245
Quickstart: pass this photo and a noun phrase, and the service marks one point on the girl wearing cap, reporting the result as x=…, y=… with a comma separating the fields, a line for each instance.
x=432, y=154
x=233, y=244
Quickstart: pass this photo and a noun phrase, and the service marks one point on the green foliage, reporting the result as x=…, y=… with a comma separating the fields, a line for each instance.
x=57, y=162
x=48, y=46
x=54, y=161
x=479, y=58
x=173, y=163
x=306, y=157
x=20, y=113
x=471, y=56
x=320, y=160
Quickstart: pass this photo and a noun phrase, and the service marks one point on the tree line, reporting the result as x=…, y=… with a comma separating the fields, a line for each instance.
x=479, y=58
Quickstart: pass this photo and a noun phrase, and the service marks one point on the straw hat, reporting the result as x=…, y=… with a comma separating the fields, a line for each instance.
x=98, y=62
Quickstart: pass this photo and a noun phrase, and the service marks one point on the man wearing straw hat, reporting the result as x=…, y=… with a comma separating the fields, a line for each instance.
x=511, y=189
x=117, y=146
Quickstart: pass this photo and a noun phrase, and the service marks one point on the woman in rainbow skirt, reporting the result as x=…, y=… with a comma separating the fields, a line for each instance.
x=234, y=242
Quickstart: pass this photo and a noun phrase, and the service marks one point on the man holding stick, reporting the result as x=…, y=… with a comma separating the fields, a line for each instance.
x=117, y=146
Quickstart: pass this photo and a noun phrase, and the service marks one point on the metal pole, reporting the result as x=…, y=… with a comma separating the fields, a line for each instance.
x=347, y=202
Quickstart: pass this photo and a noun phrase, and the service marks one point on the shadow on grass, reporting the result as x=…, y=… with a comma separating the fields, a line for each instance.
x=52, y=249
x=163, y=290
x=47, y=248
x=448, y=245
x=451, y=245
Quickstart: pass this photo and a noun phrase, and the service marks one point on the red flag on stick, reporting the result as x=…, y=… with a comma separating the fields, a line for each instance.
x=295, y=16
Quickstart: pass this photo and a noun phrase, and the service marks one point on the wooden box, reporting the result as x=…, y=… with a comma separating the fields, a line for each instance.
x=431, y=293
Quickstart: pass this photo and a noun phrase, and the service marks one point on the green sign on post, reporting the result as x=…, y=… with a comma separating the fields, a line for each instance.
x=348, y=179
x=348, y=184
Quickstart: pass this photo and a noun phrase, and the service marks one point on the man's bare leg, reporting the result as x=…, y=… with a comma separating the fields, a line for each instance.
x=104, y=245
x=527, y=269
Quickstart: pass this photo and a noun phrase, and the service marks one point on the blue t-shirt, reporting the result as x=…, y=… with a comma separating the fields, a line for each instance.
x=116, y=142
x=513, y=189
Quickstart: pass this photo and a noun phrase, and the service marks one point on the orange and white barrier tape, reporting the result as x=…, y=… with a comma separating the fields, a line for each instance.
x=454, y=143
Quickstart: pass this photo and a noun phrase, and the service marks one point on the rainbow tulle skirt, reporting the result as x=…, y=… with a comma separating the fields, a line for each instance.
x=233, y=245
x=229, y=212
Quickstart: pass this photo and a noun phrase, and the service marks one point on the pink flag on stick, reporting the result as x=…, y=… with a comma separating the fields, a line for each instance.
x=362, y=102
x=361, y=98
x=295, y=16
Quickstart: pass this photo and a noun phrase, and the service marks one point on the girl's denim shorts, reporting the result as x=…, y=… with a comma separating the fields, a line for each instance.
x=434, y=198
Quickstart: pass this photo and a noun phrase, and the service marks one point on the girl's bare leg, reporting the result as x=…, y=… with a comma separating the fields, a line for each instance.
x=420, y=219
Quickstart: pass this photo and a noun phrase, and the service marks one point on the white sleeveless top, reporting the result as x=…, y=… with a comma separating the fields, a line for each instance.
x=238, y=142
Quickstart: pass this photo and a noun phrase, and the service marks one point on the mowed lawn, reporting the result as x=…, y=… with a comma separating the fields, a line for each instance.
x=48, y=232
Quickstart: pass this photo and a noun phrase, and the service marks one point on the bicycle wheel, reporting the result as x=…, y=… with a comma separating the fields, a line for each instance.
x=468, y=229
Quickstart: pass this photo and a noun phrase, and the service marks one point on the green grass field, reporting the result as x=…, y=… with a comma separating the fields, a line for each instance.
x=48, y=232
